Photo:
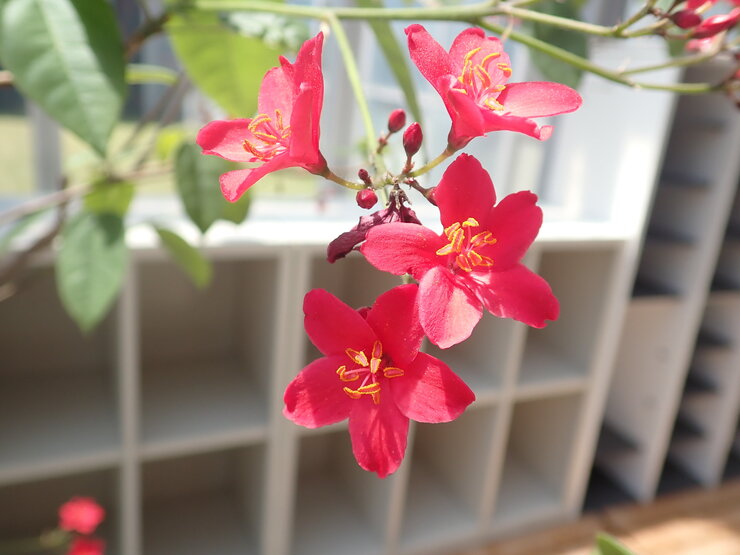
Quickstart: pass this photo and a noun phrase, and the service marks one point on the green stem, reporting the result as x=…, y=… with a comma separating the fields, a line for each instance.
x=556, y=21
x=637, y=16
x=675, y=62
x=433, y=164
x=354, y=78
x=586, y=65
x=331, y=176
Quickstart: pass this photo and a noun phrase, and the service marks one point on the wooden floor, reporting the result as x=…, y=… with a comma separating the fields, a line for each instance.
x=700, y=522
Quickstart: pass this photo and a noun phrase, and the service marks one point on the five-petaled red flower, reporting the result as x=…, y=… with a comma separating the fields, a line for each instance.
x=475, y=263
x=472, y=81
x=81, y=514
x=284, y=134
x=372, y=373
x=86, y=546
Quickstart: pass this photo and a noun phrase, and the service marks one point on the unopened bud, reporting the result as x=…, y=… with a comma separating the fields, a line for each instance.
x=364, y=176
x=366, y=198
x=412, y=138
x=396, y=120
x=686, y=19
x=716, y=24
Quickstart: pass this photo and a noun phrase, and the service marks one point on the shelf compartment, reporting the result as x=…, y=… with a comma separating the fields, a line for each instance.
x=673, y=265
x=613, y=443
x=560, y=356
x=538, y=456
x=448, y=470
x=697, y=384
x=27, y=509
x=679, y=214
x=337, y=504
x=603, y=492
x=206, y=355
x=352, y=279
x=685, y=429
x=58, y=406
x=483, y=360
x=728, y=266
x=205, y=503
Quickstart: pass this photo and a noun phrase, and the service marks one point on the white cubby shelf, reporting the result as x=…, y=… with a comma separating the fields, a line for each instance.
x=171, y=409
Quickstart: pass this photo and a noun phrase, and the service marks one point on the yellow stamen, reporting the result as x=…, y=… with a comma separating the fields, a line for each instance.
x=358, y=357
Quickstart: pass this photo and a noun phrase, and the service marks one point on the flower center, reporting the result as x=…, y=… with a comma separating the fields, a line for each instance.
x=463, y=244
x=475, y=79
x=369, y=370
x=270, y=136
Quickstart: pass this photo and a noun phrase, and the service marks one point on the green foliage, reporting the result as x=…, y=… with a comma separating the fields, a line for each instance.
x=277, y=31
x=112, y=197
x=90, y=266
x=16, y=229
x=395, y=57
x=572, y=41
x=226, y=65
x=168, y=142
x=196, y=177
x=608, y=545
x=198, y=269
x=67, y=56
x=138, y=74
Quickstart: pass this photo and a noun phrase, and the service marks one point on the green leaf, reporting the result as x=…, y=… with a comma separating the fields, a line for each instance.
x=90, y=266
x=198, y=269
x=608, y=545
x=395, y=56
x=226, y=66
x=572, y=41
x=67, y=56
x=168, y=142
x=237, y=211
x=138, y=74
x=196, y=177
x=110, y=197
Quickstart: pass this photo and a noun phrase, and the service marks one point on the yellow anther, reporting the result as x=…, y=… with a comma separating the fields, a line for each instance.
x=377, y=349
x=470, y=222
x=462, y=262
x=375, y=365
x=392, y=372
x=352, y=393
x=345, y=376
x=358, y=357
x=482, y=74
x=493, y=104
x=506, y=68
x=483, y=238
x=487, y=60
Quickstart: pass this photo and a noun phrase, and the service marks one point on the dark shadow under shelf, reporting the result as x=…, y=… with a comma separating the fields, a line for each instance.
x=613, y=443
x=649, y=288
x=685, y=430
x=698, y=384
x=604, y=492
x=675, y=479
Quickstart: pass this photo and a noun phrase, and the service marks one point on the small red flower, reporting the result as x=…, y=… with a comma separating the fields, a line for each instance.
x=372, y=373
x=81, y=514
x=86, y=546
x=474, y=263
x=285, y=134
x=472, y=80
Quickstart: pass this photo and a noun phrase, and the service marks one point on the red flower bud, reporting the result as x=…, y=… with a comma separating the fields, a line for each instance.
x=364, y=176
x=412, y=138
x=366, y=198
x=396, y=120
x=686, y=19
x=716, y=24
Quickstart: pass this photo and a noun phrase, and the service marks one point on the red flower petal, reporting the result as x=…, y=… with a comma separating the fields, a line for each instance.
x=514, y=222
x=430, y=392
x=539, y=98
x=276, y=92
x=496, y=121
x=235, y=183
x=304, y=140
x=401, y=248
x=448, y=309
x=86, y=546
x=520, y=294
x=473, y=38
x=225, y=138
x=81, y=514
x=432, y=60
x=465, y=191
x=396, y=322
x=378, y=435
x=467, y=118
x=333, y=326
x=315, y=396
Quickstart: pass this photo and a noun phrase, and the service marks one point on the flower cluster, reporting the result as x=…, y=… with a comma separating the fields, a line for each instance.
x=81, y=516
x=372, y=371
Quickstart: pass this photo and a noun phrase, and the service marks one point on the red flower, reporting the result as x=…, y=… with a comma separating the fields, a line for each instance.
x=471, y=79
x=372, y=373
x=285, y=133
x=86, y=546
x=81, y=514
x=474, y=263
x=714, y=25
